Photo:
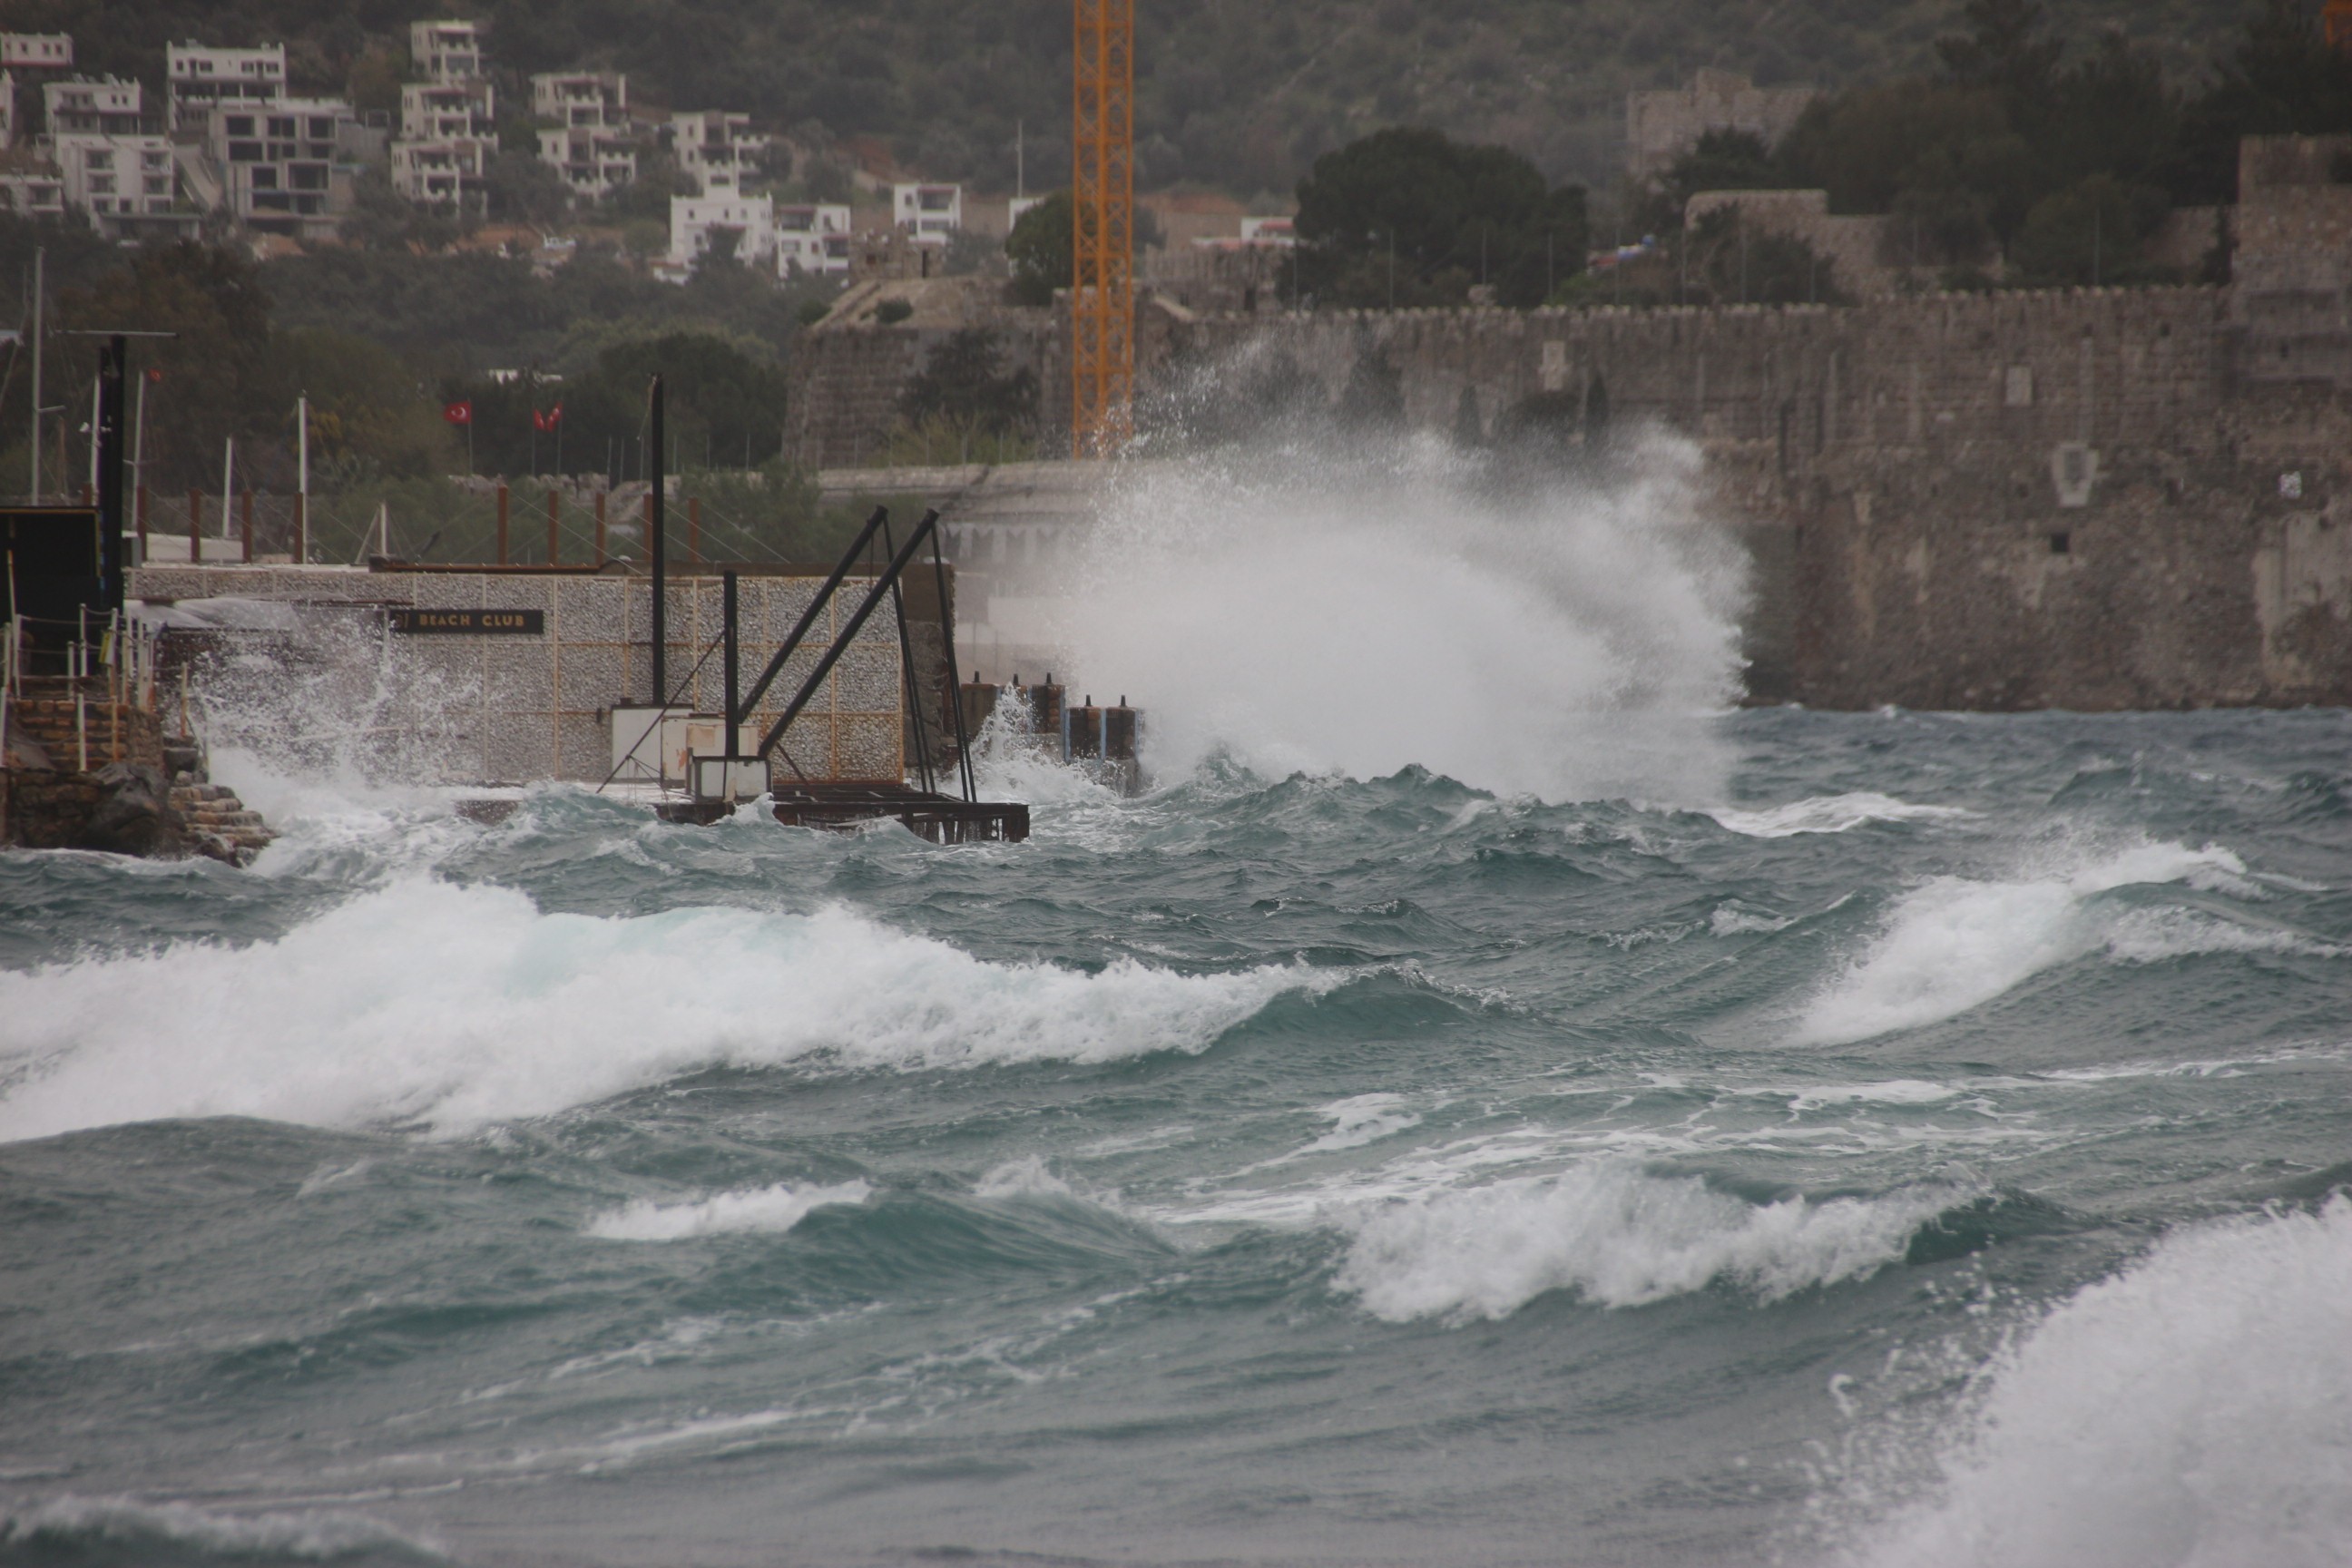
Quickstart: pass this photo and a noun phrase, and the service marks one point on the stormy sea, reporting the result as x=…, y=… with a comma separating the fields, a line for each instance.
x=1488, y=1101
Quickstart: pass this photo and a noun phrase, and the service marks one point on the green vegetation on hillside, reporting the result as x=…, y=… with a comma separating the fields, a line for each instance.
x=1407, y=217
x=1243, y=97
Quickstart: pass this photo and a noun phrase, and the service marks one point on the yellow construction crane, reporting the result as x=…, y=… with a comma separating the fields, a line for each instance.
x=1102, y=281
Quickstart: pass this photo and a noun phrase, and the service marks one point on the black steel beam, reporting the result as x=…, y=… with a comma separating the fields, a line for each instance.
x=793, y=640
x=856, y=622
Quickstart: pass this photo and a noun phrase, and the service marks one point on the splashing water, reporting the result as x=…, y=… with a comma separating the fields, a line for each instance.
x=1332, y=617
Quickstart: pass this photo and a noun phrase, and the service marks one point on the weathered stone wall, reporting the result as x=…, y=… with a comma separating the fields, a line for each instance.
x=1662, y=126
x=513, y=709
x=2091, y=499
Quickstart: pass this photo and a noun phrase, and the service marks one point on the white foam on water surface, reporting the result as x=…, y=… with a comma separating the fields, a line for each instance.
x=2193, y=1411
x=1618, y=1236
x=1956, y=943
x=103, y=1527
x=423, y=1003
x=772, y=1210
x=1830, y=813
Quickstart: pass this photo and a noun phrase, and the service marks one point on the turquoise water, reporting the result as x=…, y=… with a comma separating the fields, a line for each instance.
x=1922, y=1155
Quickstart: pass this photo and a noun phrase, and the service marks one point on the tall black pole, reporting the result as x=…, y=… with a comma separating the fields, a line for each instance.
x=110, y=471
x=727, y=612
x=955, y=675
x=660, y=560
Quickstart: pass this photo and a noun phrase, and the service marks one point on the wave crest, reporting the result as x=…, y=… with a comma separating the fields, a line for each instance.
x=455, y=1006
x=1620, y=1238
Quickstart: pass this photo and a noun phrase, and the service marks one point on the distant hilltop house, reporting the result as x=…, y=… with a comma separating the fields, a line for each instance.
x=591, y=143
x=448, y=121
x=929, y=213
x=98, y=154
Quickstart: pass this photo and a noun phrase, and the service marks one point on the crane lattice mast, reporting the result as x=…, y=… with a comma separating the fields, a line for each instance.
x=1102, y=293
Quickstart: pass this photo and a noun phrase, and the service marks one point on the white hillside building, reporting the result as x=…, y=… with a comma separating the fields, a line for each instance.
x=695, y=220
x=198, y=80
x=929, y=213
x=813, y=239
x=714, y=148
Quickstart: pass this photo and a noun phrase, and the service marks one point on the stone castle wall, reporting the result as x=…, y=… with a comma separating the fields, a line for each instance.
x=2094, y=498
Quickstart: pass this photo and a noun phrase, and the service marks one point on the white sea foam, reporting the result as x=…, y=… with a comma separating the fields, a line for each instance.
x=1618, y=1236
x=1362, y=1119
x=422, y=1001
x=166, y=1531
x=771, y=1209
x=2195, y=1411
x=1954, y=942
x=1830, y=813
x=1305, y=617
x=1027, y=1177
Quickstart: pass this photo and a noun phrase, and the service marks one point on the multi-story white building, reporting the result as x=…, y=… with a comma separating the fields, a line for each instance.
x=590, y=143
x=452, y=173
x=714, y=148
x=813, y=239
x=35, y=51
x=33, y=193
x=446, y=51
x=200, y=79
x=449, y=110
x=128, y=185
x=449, y=134
x=929, y=213
x=26, y=52
x=694, y=220
x=278, y=164
x=448, y=122
x=108, y=108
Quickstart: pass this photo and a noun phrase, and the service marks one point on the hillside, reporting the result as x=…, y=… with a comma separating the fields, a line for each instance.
x=1235, y=95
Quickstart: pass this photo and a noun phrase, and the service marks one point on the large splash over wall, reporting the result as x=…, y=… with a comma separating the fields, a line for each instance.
x=1564, y=639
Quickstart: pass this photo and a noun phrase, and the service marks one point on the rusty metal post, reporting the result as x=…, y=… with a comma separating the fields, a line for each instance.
x=552, y=548
x=196, y=527
x=502, y=524
x=247, y=529
x=600, y=527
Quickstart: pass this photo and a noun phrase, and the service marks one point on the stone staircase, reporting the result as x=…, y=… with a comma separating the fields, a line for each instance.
x=219, y=822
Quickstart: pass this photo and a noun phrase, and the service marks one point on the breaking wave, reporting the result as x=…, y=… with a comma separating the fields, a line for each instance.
x=2194, y=1410
x=1954, y=942
x=105, y=1531
x=1618, y=1236
x=773, y=1210
x=426, y=1004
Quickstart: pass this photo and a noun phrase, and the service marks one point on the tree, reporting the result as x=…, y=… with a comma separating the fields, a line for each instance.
x=964, y=382
x=2092, y=233
x=214, y=383
x=2282, y=80
x=1723, y=160
x=524, y=188
x=370, y=413
x=1411, y=215
x=1040, y=249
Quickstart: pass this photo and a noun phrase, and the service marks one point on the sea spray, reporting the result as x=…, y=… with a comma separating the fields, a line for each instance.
x=1567, y=642
x=2196, y=1409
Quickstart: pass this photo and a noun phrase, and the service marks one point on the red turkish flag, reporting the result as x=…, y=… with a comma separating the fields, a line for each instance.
x=548, y=420
x=459, y=413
